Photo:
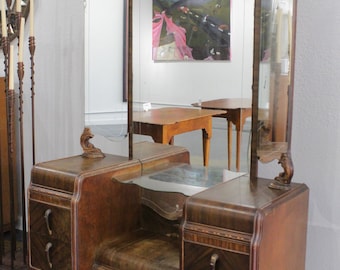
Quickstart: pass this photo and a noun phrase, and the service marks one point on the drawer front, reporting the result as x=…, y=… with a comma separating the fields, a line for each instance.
x=199, y=257
x=47, y=253
x=51, y=221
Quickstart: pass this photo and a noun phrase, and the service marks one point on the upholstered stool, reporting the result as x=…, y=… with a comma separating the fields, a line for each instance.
x=139, y=250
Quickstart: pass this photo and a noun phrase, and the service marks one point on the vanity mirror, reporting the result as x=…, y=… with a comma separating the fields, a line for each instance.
x=271, y=72
x=254, y=71
x=13, y=10
x=273, y=86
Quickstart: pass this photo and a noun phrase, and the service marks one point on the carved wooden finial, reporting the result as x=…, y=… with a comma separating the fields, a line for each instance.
x=90, y=151
x=282, y=181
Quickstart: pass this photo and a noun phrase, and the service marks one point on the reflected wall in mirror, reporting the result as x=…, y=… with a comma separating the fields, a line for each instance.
x=12, y=11
x=105, y=110
x=183, y=83
x=162, y=83
x=276, y=70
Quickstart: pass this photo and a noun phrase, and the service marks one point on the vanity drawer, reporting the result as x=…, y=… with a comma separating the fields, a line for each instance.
x=197, y=257
x=50, y=221
x=49, y=253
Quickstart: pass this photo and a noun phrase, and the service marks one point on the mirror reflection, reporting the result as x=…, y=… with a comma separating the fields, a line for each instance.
x=174, y=84
x=275, y=82
x=184, y=84
x=189, y=84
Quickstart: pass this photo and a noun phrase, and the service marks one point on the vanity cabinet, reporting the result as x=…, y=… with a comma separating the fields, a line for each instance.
x=81, y=208
x=240, y=225
x=74, y=205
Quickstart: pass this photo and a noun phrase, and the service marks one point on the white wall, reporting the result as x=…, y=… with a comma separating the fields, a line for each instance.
x=316, y=127
x=188, y=82
x=59, y=68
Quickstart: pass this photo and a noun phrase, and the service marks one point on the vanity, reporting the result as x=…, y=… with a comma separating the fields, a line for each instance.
x=155, y=210
x=99, y=214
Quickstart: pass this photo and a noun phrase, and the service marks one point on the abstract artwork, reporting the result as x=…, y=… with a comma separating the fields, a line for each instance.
x=191, y=30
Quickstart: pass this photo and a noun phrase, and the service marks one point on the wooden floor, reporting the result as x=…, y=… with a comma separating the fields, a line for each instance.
x=20, y=262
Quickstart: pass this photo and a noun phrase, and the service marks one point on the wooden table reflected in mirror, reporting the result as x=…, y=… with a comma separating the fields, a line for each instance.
x=236, y=111
x=164, y=123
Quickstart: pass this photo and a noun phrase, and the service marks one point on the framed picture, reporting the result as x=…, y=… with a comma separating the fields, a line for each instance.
x=190, y=30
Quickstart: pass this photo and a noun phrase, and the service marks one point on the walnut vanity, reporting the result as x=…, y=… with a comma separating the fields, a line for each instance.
x=154, y=210
x=89, y=214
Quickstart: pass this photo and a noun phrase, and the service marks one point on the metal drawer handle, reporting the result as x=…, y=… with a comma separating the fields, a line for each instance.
x=47, y=214
x=213, y=260
x=47, y=250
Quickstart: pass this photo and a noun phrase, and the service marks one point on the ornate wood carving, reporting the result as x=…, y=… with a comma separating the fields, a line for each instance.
x=90, y=151
x=283, y=180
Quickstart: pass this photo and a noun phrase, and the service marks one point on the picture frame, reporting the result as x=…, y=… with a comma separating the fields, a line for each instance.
x=191, y=30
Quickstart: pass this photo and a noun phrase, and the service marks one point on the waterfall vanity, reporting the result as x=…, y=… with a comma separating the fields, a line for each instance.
x=101, y=214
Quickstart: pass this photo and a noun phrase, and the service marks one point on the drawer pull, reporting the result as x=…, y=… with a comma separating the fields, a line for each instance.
x=213, y=260
x=47, y=214
x=47, y=250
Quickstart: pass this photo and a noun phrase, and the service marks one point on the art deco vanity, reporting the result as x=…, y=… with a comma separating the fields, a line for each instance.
x=87, y=214
x=153, y=210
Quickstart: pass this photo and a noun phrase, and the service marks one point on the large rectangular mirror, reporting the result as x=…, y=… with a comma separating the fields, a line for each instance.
x=183, y=83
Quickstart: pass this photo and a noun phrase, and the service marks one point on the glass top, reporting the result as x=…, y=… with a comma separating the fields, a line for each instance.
x=186, y=179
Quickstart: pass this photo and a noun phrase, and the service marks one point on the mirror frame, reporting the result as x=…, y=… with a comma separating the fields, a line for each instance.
x=254, y=157
x=256, y=75
x=127, y=71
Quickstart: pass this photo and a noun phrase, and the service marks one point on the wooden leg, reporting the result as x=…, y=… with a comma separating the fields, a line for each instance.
x=206, y=147
x=161, y=136
x=230, y=139
x=238, y=147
